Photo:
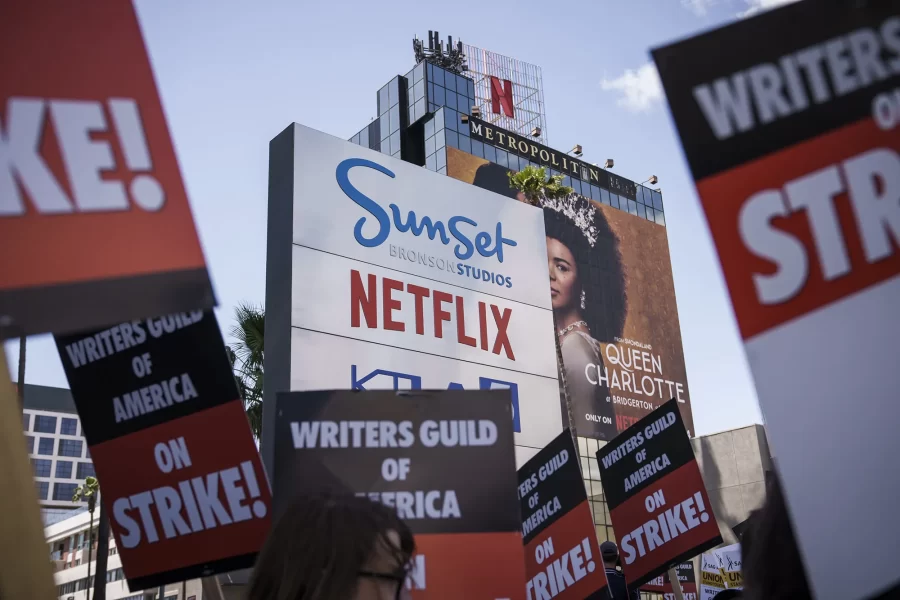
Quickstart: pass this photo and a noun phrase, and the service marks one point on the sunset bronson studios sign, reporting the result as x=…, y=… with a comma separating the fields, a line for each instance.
x=383, y=275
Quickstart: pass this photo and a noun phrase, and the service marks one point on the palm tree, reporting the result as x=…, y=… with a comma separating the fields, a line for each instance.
x=534, y=183
x=102, y=555
x=247, y=360
x=88, y=491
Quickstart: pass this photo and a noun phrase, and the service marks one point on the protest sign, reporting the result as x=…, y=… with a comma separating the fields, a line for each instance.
x=711, y=581
x=730, y=566
x=562, y=557
x=795, y=150
x=92, y=204
x=179, y=471
x=663, y=585
x=444, y=460
x=656, y=496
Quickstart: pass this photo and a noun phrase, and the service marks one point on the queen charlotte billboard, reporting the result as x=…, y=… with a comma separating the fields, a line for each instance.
x=611, y=287
x=383, y=275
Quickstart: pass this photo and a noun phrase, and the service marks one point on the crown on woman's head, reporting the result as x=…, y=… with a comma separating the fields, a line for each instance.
x=576, y=209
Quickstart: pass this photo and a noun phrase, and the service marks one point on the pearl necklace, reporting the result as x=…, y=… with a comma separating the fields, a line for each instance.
x=563, y=332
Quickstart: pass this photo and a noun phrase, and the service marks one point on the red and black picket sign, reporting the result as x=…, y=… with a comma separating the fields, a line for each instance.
x=657, y=499
x=444, y=460
x=179, y=471
x=562, y=557
x=663, y=585
x=92, y=202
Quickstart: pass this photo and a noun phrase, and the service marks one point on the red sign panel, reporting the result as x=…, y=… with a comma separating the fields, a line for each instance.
x=562, y=557
x=657, y=498
x=794, y=147
x=92, y=203
x=201, y=498
x=502, y=96
x=663, y=585
x=179, y=472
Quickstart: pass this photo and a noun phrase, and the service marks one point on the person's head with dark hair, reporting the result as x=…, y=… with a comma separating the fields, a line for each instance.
x=587, y=282
x=728, y=595
x=771, y=563
x=334, y=547
x=495, y=178
x=610, y=554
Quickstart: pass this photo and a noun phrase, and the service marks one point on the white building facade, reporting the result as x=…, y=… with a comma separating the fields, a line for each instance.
x=67, y=541
x=59, y=455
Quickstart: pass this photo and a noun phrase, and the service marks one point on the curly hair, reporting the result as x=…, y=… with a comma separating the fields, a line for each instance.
x=600, y=269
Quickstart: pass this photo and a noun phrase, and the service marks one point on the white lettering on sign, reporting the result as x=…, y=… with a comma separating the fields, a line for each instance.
x=388, y=434
x=668, y=525
x=770, y=91
x=420, y=504
x=544, y=513
x=872, y=182
x=562, y=573
x=193, y=505
x=125, y=336
x=84, y=158
x=155, y=396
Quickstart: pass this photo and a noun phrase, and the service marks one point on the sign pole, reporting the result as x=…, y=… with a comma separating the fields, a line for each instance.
x=676, y=584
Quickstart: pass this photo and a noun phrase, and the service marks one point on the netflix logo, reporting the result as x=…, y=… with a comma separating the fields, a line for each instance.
x=488, y=328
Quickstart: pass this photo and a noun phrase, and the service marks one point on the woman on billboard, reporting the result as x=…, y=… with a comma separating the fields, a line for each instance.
x=587, y=290
x=587, y=295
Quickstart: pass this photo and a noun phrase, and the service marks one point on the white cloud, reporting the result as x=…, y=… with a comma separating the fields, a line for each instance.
x=640, y=89
x=698, y=7
x=757, y=6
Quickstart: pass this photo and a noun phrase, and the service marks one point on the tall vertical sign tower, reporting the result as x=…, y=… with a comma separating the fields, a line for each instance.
x=509, y=92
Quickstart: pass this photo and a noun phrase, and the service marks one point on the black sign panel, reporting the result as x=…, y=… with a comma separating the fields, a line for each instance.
x=543, y=155
x=160, y=409
x=550, y=485
x=656, y=494
x=142, y=373
x=659, y=434
x=444, y=459
x=825, y=63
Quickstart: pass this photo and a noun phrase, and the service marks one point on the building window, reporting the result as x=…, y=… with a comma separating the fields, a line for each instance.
x=43, y=488
x=26, y=421
x=69, y=448
x=69, y=427
x=85, y=470
x=45, y=446
x=64, y=491
x=63, y=469
x=44, y=424
x=42, y=467
x=29, y=443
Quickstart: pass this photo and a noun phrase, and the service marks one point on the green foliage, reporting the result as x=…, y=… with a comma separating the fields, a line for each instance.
x=88, y=492
x=247, y=360
x=534, y=183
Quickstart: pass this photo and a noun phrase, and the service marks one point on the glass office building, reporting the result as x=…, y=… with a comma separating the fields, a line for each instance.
x=421, y=115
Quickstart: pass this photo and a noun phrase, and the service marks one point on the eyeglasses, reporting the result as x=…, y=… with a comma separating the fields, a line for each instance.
x=398, y=577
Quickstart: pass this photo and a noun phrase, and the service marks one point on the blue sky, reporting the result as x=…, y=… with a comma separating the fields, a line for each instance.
x=234, y=74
